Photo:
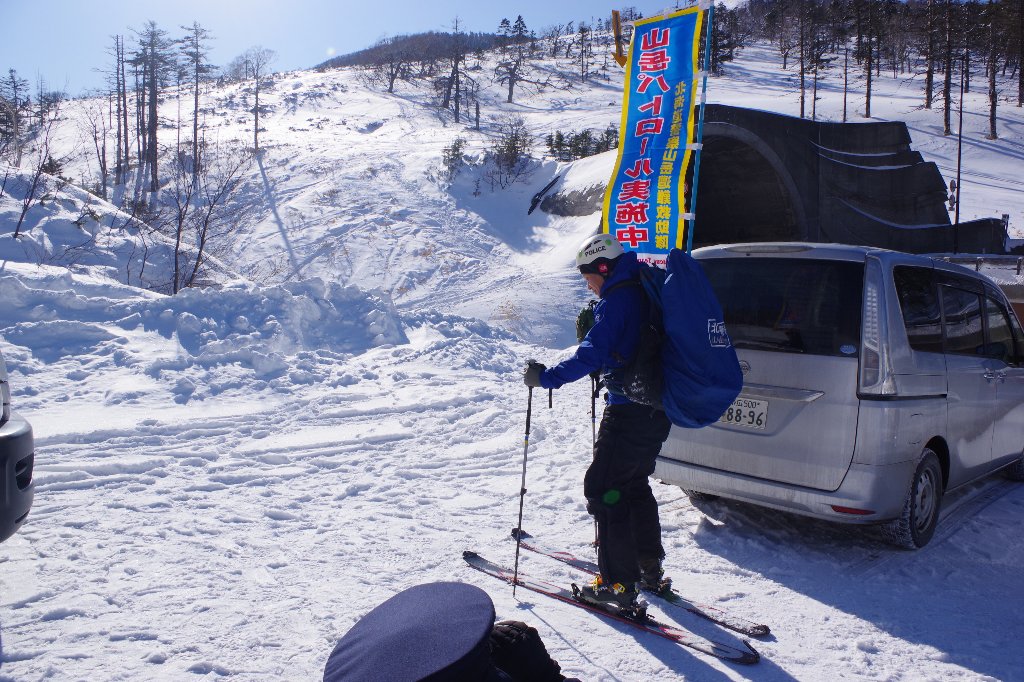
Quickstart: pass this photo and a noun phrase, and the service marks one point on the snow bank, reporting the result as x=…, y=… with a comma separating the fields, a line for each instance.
x=191, y=341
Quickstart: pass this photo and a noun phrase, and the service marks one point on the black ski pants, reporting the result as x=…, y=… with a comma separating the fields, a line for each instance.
x=619, y=494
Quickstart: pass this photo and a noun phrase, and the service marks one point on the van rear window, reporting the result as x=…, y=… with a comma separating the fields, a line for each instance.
x=791, y=305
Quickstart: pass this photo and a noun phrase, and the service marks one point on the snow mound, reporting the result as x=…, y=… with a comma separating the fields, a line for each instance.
x=294, y=333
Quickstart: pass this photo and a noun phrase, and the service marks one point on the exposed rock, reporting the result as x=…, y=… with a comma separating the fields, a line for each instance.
x=576, y=203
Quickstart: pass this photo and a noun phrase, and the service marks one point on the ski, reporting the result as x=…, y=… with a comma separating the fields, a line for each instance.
x=674, y=633
x=714, y=614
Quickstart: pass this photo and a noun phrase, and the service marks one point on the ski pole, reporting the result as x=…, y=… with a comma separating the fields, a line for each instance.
x=593, y=408
x=595, y=383
x=522, y=489
x=700, y=129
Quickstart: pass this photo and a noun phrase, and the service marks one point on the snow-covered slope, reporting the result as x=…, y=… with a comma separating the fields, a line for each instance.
x=229, y=477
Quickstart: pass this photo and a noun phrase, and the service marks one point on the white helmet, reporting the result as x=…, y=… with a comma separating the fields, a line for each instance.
x=598, y=255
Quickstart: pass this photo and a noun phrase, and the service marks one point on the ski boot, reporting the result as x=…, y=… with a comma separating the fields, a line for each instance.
x=652, y=577
x=617, y=598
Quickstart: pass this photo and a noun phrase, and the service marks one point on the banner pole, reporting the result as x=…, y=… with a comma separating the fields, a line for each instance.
x=700, y=130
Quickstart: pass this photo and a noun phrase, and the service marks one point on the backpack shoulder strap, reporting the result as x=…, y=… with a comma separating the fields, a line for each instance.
x=652, y=280
x=619, y=285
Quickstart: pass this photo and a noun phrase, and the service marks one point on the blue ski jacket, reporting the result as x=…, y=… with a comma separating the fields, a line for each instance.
x=618, y=320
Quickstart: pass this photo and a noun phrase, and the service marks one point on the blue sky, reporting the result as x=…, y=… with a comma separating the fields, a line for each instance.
x=66, y=42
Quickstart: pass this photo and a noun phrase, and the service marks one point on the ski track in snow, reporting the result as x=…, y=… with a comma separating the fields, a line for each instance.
x=379, y=478
x=258, y=538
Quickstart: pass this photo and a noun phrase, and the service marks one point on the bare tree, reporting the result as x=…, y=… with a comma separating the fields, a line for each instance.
x=1020, y=53
x=803, y=28
x=391, y=61
x=930, y=46
x=780, y=21
x=236, y=70
x=200, y=212
x=819, y=60
x=552, y=35
x=868, y=45
x=948, y=62
x=846, y=78
x=218, y=215
x=43, y=163
x=991, y=66
x=259, y=61
x=97, y=129
x=183, y=189
x=452, y=85
x=120, y=93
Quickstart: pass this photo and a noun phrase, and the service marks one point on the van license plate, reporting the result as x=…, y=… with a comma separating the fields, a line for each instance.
x=753, y=414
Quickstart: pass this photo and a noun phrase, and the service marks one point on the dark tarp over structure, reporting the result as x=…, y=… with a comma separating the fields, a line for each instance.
x=770, y=177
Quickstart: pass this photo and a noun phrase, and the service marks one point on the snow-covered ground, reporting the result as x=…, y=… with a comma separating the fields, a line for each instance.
x=228, y=478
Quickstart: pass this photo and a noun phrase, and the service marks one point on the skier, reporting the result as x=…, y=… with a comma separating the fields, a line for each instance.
x=629, y=438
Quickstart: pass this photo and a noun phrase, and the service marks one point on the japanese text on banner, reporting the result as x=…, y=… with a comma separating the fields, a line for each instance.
x=645, y=201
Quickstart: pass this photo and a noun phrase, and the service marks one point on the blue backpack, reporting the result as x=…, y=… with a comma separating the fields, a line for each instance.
x=685, y=363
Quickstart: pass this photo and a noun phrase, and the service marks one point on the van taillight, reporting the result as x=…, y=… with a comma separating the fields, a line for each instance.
x=875, y=373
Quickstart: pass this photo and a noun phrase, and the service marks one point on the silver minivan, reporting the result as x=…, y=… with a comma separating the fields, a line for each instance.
x=874, y=382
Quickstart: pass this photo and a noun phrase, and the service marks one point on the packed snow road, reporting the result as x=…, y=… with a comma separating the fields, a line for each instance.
x=243, y=545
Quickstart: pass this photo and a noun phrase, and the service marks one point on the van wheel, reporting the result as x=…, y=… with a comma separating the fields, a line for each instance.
x=698, y=496
x=1015, y=472
x=916, y=525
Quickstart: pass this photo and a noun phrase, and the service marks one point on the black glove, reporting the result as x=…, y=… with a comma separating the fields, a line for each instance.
x=531, y=377
x=518, y=650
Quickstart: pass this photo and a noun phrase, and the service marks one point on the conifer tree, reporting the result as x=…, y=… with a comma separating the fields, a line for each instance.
x=155, y=56
x=723, y=38
x=558, y=146
x=15, y=89
x=515, y=68
x=194, y=50
x=504, y=35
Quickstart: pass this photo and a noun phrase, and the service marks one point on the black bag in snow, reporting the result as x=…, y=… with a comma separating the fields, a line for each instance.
x=685, y=363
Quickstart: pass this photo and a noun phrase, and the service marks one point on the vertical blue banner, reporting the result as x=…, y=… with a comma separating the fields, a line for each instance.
x=644, y=205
